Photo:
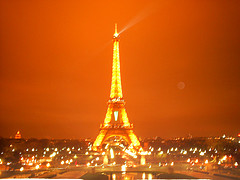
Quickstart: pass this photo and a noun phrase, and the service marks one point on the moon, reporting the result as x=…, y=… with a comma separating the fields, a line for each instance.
x=181, y=85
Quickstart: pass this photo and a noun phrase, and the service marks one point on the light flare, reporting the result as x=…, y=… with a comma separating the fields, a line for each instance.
x=143, y=14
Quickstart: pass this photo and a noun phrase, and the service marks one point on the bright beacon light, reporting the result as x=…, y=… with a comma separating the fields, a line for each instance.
x=116, y=33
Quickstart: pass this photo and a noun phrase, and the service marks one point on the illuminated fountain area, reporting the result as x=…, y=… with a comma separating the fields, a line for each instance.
x=120, y=160
x=118, y=151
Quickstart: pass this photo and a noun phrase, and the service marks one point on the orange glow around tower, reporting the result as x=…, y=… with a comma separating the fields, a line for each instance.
x=116, y=122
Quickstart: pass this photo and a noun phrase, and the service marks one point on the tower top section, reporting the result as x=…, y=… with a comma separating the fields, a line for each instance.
x=116, y=87
x=116, y=35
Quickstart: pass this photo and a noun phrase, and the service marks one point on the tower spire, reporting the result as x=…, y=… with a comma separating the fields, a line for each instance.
x=116, y=86
x=116, y=33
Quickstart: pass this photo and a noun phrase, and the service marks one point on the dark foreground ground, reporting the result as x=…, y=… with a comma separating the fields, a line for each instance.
x=115, y=173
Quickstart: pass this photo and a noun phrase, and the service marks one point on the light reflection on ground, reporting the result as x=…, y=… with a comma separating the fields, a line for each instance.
x=131, y=176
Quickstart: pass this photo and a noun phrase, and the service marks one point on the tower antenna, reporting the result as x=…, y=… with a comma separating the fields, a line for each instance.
x=115, y=33
x=116, y=28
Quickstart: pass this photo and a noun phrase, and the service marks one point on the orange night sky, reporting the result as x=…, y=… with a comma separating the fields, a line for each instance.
x=180, y=65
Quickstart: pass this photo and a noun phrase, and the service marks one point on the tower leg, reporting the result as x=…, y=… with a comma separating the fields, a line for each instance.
x=98, y=142
x=134, y=139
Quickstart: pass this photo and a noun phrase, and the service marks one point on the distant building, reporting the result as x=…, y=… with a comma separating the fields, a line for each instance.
x=18, y=135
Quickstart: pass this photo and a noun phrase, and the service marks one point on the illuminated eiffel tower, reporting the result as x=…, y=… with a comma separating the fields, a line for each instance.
x=116, y=122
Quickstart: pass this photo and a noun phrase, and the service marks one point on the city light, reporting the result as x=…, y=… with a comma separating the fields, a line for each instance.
x=143, y=176
x=53, y=154
x=149, y=176
x=123, y=168
x=224, y=158
x=199, y=160
x=143, y=160
x=111, y=153
x=114, y=177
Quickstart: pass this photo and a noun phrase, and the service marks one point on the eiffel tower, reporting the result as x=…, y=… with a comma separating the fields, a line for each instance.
x=116, y=122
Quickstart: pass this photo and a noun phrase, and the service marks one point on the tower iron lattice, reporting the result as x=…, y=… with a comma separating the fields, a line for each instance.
x=116, y=122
